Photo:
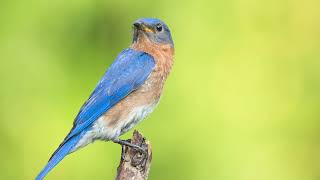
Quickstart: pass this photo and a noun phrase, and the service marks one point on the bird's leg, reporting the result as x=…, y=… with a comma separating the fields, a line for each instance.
x=127, y=143
x=123, y=156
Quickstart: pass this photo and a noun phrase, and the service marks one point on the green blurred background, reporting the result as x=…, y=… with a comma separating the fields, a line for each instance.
x=242, y=102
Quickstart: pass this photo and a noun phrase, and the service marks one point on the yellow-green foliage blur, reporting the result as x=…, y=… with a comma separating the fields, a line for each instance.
x=242, y=101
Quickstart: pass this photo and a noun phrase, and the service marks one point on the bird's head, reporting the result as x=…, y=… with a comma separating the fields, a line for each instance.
x=153, y=29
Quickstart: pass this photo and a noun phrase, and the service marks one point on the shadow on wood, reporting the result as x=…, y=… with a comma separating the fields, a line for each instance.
x=135, y=165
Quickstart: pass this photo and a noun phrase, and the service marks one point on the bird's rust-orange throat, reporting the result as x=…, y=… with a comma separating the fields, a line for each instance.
x=163, y=53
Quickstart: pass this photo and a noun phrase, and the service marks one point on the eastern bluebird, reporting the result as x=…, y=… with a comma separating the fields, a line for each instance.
x=127, y=93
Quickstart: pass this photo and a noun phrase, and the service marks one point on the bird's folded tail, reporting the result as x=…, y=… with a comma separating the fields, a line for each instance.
x=63, y=150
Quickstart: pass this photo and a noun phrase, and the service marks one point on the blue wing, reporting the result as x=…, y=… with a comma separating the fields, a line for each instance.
x=127, y=73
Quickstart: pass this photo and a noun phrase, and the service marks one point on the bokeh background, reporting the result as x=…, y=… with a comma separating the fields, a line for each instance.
x=242, y=102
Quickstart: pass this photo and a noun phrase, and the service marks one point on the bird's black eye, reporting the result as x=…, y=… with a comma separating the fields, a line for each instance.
x=159, y=27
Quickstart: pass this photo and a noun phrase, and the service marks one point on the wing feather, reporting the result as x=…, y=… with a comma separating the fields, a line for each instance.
x=128, y=72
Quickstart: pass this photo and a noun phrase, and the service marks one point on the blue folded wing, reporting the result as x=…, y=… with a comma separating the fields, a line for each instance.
x=129, y=71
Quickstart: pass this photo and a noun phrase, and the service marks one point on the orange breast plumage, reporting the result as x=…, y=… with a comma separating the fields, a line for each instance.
x=137, y=105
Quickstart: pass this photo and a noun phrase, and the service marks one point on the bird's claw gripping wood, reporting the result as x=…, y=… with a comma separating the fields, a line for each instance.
x=125, y=143
x=135, y=165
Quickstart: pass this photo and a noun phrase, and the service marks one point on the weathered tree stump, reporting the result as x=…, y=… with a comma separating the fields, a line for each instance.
x=135, y=165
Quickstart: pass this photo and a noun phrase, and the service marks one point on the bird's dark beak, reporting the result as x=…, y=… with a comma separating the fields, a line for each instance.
x=142, y=27
x=137, y=25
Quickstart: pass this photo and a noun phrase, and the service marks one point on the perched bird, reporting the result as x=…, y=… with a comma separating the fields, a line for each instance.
x=128, y=92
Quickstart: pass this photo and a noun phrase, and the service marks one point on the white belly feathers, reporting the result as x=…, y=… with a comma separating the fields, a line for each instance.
x=101, y=130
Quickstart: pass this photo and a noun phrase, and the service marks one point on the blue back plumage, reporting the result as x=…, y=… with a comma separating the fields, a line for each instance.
x=127, y=73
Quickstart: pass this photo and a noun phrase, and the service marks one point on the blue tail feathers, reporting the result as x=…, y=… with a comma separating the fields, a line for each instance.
x=60, y=153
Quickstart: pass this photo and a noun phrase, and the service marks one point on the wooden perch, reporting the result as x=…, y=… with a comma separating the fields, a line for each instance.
x=135, y=165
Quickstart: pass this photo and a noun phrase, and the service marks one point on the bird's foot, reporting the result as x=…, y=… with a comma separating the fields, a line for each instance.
x=124, y=143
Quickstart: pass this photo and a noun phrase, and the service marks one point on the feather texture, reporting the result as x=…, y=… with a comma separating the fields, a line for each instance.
x=58, y=156
x=127, y=73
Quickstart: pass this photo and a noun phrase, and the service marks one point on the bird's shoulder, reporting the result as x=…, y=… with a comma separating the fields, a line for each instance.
x=127, y=73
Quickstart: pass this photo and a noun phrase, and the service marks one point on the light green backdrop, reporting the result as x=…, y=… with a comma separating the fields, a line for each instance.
x=242, y=102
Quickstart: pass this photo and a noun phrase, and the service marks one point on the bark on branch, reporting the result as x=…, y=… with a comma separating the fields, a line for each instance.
x=135, y=165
